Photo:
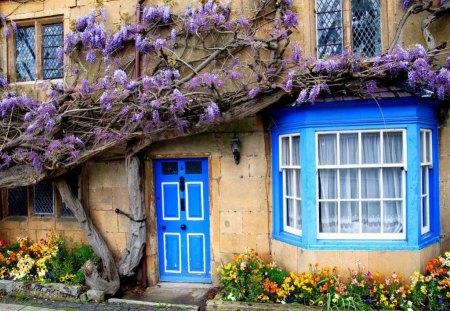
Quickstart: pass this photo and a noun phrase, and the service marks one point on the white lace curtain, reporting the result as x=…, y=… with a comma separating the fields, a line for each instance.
x=371, y=180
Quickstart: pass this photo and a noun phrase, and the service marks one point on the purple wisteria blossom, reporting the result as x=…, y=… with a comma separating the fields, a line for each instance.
x=253, y=93
x=290, y=19
x=212, y=112
x=120, y=77
x=296, y=53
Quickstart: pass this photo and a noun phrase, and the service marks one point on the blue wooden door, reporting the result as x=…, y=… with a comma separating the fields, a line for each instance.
x=182, y=204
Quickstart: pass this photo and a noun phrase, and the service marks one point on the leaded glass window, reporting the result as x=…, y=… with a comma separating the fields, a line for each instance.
x=18, y=201
x=25, y=54
x=329, y=27
x=366, y=27
x=43, y=195
x=52, y=36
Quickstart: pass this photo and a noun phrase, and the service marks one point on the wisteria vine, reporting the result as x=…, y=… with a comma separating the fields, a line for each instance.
x=199, y=67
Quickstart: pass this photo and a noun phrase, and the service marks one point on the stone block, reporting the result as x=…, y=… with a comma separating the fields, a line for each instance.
x=42, y=223
x=262, y=246
x=230, y=222
x=123, y=223
x=259, y=166
x=106, y=221
x=107, y=174
x=58, y=4
x=215, y=167
x=255, y=222
x=71, y=224
x=229, y=169
x=120, y=199
x=237, y=243
x=382, y=261
x=95, y=295
x=285, y=255
x=116, y=242
x=242, y=195
x=74, y=236
x=29, y=7
x=103, y=195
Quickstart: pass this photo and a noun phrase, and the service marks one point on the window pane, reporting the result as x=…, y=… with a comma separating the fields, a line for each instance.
x=371, y=217
x=298, y=183
x=17, y=201
x=290, y=206
x=295, y=150
x=327, y=149
x=52, y=39
x=349, y=183
x=348, y=144
x=327, y=184
x=193, y=167
x=43, y=198
x=169, y=168
x=299, y=214
x=393, y=147
x=328, y=217
x=290, y=191
x=393, y=217
x=425, y=211
x=370, y=148
x=428, y=146
x=25, y=54
x=370, y=183
x=392, y=183
x=366, y=27
x=424, y=180
x=329, y=27
x=349, y=217
x=285, y=153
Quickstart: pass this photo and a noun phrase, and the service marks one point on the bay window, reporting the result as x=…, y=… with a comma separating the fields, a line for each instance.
x=356, y=174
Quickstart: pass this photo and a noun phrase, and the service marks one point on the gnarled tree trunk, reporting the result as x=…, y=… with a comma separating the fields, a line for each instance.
x=132, y=254
x=107, y=279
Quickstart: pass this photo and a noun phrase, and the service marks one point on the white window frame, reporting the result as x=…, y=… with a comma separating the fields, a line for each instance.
x=296, y=197
x=428, y=164
x=337, y=167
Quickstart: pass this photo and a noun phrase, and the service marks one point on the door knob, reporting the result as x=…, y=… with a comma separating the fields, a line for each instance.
x=183, y=227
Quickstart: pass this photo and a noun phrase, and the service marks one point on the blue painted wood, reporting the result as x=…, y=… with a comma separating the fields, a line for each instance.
x=410, y=113
x=182, y=208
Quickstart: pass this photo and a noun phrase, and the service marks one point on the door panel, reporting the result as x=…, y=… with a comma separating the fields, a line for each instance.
x=182, y=204
x=172, y=247
x=196, y=252
x=194, y=202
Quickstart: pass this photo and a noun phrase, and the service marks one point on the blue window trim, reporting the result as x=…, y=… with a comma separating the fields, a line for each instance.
x=411, y=113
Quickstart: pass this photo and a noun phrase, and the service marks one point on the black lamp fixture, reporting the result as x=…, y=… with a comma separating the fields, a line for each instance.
x=235, y=148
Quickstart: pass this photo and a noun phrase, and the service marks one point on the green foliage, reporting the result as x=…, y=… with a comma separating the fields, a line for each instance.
x=68, y=262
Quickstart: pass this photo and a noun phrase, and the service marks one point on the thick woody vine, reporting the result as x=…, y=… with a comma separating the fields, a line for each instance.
x=206, y=66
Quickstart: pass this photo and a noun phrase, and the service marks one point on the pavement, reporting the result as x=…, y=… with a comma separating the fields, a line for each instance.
x=163, y=296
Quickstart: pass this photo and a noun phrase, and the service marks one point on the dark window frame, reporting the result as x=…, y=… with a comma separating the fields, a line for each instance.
x=38, y=25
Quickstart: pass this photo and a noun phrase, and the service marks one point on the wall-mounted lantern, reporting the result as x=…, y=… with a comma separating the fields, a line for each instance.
x=236, y=149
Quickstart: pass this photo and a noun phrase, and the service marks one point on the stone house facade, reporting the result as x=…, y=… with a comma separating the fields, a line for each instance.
x=248, y=205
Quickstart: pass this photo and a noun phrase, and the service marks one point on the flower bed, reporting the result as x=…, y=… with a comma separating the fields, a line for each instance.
x=248, y=279
x=49, y=260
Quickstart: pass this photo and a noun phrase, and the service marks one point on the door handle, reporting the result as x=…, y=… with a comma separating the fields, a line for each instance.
x=182, y=205
x=183, y=227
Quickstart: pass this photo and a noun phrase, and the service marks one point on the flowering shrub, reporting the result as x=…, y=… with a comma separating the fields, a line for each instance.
x=248, y=278
x=47, y=261
x=433, y=289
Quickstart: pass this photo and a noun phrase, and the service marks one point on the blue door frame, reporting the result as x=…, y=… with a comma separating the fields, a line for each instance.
x=182, y=208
